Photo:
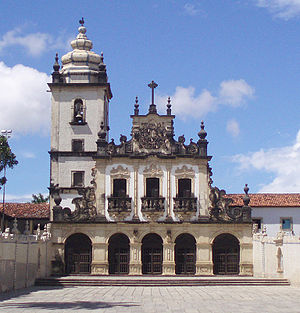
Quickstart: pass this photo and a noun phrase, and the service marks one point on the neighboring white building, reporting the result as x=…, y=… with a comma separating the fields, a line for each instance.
x=274, y=211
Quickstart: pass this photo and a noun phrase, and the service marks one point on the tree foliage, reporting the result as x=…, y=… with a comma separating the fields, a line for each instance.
x=39, y=198
x=7, y=158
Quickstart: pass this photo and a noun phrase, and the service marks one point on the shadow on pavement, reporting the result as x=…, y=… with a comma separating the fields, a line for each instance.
x=76, y=305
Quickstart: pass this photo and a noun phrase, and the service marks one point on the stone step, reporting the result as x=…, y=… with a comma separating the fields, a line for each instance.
x=120, y=281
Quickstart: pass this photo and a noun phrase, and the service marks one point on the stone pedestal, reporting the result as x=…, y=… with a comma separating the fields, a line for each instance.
x=168, y=259
x=135, y=264
x=100, y=259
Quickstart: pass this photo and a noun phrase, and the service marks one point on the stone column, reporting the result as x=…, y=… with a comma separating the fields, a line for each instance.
x=204, y=264
x=168, y=258
x=135, y=264
x=246, y=259
x=100, y=259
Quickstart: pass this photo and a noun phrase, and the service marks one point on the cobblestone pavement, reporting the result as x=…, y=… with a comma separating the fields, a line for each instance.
x=153, y=299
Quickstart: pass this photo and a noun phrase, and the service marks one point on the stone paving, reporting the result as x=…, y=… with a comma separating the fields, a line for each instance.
x=224, y=299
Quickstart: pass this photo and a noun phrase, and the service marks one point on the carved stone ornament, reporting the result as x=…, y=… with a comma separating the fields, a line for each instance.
x=184, y=172
x=85, y=209
x=152, y=136
x=220, y=209
x=153, y=171
x=120, y=172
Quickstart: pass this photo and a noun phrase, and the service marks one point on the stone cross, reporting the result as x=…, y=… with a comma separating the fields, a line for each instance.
x=153, y=85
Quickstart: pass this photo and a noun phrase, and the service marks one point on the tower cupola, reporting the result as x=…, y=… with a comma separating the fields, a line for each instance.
x=81, y=65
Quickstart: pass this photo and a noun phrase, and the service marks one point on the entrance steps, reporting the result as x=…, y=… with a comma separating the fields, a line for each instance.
x=67, y=281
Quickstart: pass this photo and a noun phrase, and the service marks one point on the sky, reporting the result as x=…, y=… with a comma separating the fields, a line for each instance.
x=233, y=64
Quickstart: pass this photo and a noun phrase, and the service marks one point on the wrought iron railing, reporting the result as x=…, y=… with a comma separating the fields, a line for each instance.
x=119, y=204
x=184, y=204
x=153, y=204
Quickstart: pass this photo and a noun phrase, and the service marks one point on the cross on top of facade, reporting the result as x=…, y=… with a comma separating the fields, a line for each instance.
x=152, y=108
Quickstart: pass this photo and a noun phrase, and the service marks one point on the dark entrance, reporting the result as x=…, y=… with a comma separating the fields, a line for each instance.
x=185, y=254
x=152, y=254
x=78, y=254
x=118, y=254
x=226, y=255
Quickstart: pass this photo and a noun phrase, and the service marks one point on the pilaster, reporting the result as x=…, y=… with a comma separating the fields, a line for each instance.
x=135, y=264
x=99, y=264
x=168, y=259
x=204, y=264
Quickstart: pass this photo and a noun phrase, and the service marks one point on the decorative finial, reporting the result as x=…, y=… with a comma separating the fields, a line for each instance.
x=101, y=57
x=102, y=132
x=152, y=108
x=136, y=106
x=169, y=106
x=56, y=66
x=202, y=133
x=246, y=198
x=81, y=22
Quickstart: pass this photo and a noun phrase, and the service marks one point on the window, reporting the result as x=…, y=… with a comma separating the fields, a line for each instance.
x=119, y=188
x=78, y=179
x=184, y=188
x=286, y=223
x=77, y=145
x=152, y=187
x=78, y=113
x=257, y=221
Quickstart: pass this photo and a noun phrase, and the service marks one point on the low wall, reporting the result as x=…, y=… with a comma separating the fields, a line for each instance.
x=23, y=258
x=277, y=256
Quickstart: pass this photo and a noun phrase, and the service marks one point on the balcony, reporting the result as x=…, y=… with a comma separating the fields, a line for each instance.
x=119, y=204
x=153, y=204
x=185, y=204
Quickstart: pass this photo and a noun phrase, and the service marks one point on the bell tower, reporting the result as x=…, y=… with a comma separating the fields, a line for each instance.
x=80, y=102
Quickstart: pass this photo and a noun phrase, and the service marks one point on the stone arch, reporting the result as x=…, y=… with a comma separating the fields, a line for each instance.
x=185, y=254
x=78, y=254
x=118, y=254
x=226, y=254
x=152, y=254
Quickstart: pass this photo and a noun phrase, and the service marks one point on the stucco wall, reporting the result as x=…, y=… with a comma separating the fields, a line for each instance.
x=23, y=258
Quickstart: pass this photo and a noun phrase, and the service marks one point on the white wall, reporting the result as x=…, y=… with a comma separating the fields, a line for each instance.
x=271, y=217
x=23, y=258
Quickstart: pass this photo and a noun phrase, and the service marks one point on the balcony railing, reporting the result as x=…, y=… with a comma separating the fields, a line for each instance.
x=185, y=204
x=119, y=204
x=153, y=204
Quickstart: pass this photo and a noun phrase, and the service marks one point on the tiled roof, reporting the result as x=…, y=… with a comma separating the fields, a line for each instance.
x=268, y=199
x=26, y=210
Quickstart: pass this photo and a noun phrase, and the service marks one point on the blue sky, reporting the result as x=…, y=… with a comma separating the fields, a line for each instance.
x=233, y=64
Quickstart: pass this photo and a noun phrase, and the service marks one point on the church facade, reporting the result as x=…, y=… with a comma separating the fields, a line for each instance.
x=143, y=206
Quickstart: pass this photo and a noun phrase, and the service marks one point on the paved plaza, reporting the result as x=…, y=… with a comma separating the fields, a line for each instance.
x=153, y=299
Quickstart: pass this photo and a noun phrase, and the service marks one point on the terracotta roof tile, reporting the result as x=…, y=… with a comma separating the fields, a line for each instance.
x=268, y=199
x=26, y=210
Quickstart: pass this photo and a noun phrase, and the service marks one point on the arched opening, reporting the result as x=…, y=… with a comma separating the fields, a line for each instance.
x=185, y=254
x=226, y=255
x=118, y=254
x=152, y=256
x=78, y=254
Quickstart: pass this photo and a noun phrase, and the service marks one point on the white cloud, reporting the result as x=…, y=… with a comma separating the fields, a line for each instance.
x=283, y=162
x=186, y=104
x=34, y=43
x=233, y=128
x=29, y=155
x=18, y=198
x=234, y=92
x=191, y=9
x=24, y=102
x=285, y=9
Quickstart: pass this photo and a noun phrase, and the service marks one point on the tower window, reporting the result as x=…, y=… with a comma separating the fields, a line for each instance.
x=119, y=188
x=78, y=179
x=78, y=114
x=77, y=145
x=152, y=187
x=257, y=221
x=184, y=188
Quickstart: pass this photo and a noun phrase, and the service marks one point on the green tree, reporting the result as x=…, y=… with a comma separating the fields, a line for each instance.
x=39, y=198
x=7, y=159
